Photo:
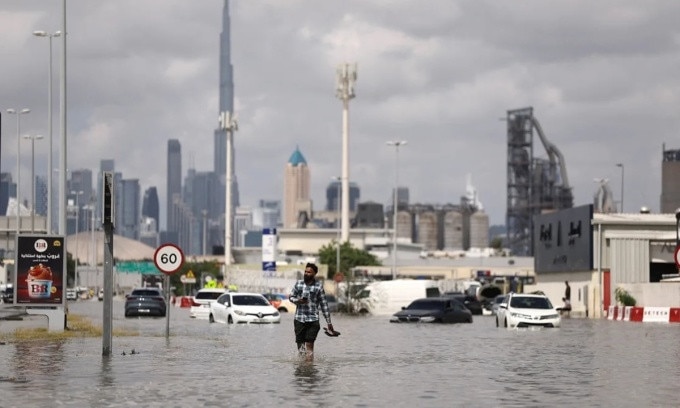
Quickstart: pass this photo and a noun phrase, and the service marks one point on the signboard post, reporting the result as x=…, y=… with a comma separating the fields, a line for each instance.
x=169, y=259
x=269, y=251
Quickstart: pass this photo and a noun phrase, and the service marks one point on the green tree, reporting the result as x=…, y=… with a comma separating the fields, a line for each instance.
x=497, y=243
x=350, y=257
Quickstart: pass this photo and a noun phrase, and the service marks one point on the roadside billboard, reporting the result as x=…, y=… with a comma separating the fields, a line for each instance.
x=40, y=273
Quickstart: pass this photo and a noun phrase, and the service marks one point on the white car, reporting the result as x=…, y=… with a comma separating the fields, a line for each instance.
x=238, y=307
x=527, y=310
x=200, y=303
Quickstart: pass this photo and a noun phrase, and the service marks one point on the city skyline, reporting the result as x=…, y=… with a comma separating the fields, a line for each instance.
x=439, y=77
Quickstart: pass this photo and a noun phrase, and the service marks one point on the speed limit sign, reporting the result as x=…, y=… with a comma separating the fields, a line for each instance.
x=168, y=258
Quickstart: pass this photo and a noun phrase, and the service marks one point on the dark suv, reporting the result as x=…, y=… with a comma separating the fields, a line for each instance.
x=147, y=301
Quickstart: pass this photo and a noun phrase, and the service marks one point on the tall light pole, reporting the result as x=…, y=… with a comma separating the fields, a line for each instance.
x=18, y=113
x=77, y=194
x=33, y=138
x=621, y=165
x=49, y=126
x=395, y=204
x=62, y=132
x=229, y=124
x=346, y=76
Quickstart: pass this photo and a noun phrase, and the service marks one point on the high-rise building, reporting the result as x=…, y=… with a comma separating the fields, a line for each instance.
x=150, y=206
x=226, y=104
x=128, y=217
x=271, y=213
x=174, y=183
x=333, y=193
x=243, y=222
x=369, y=215
x=79, y=193
x=670, y=188
x=201, y=196
x=40, y=195
x=296, y=186
x=403, y=199
x=8, y=188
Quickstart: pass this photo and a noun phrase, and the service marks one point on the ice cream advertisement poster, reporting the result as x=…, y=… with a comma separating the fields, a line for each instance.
x=41, y=270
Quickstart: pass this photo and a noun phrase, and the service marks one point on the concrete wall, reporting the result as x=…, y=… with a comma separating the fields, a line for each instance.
x=663, y=294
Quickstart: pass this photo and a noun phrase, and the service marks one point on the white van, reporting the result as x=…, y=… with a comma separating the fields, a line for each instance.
x=388, y=297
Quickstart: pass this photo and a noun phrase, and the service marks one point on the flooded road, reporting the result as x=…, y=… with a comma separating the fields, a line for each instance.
x=594, y=363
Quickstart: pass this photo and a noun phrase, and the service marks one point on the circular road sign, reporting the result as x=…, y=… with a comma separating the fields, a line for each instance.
x=676, y=256
x=168, y=258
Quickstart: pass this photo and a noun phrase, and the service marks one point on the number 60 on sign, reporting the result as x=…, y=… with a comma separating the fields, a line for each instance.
x=168, y=258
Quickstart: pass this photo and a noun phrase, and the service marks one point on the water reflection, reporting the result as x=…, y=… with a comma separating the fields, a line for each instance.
x=106, y=376
x=36, y=359
x=306, y=375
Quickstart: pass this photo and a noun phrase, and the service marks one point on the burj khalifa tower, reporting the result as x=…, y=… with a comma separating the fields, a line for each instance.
x=226, y=101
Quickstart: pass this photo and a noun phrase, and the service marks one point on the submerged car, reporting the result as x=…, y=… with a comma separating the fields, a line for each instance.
x=280, y=302
x=238, y=307
x=527, y=310
x=496, y=303
x=433, y=310
x=200, y=302
x=145, y=302
x=470, y=302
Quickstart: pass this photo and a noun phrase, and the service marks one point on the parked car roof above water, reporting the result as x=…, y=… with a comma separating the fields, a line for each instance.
x=433, y=310
x=200, y=302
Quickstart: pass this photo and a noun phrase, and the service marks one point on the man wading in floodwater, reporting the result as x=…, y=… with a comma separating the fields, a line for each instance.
x=309, y=296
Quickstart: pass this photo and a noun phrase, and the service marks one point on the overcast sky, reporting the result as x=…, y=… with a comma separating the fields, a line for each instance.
x=603, y=78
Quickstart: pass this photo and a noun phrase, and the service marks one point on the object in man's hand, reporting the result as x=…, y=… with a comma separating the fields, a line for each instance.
x=331, y=333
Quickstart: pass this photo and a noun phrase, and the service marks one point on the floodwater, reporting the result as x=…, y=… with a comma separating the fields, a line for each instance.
x=374, y=363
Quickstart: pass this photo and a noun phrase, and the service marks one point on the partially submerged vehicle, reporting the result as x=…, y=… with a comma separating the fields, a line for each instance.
x=387, y=297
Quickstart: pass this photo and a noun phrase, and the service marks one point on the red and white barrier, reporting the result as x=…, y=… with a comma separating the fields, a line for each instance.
x=644, y=314
x=181, y=301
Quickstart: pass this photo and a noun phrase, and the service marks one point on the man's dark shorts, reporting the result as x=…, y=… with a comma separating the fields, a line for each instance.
x=306, y=332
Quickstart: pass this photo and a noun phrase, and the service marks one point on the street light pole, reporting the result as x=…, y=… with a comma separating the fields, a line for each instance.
x=62, y=131
x=49, y=126
x=18, y=113
x=77, y=194
x=33, y=139
x=229, y=124
x=621, y=165
x=395, y=204
x=346, y=76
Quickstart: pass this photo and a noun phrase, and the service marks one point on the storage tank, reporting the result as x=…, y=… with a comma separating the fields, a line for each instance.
x=427, y=230
x=404, y=226
x=479, y=230
x=453, y=230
